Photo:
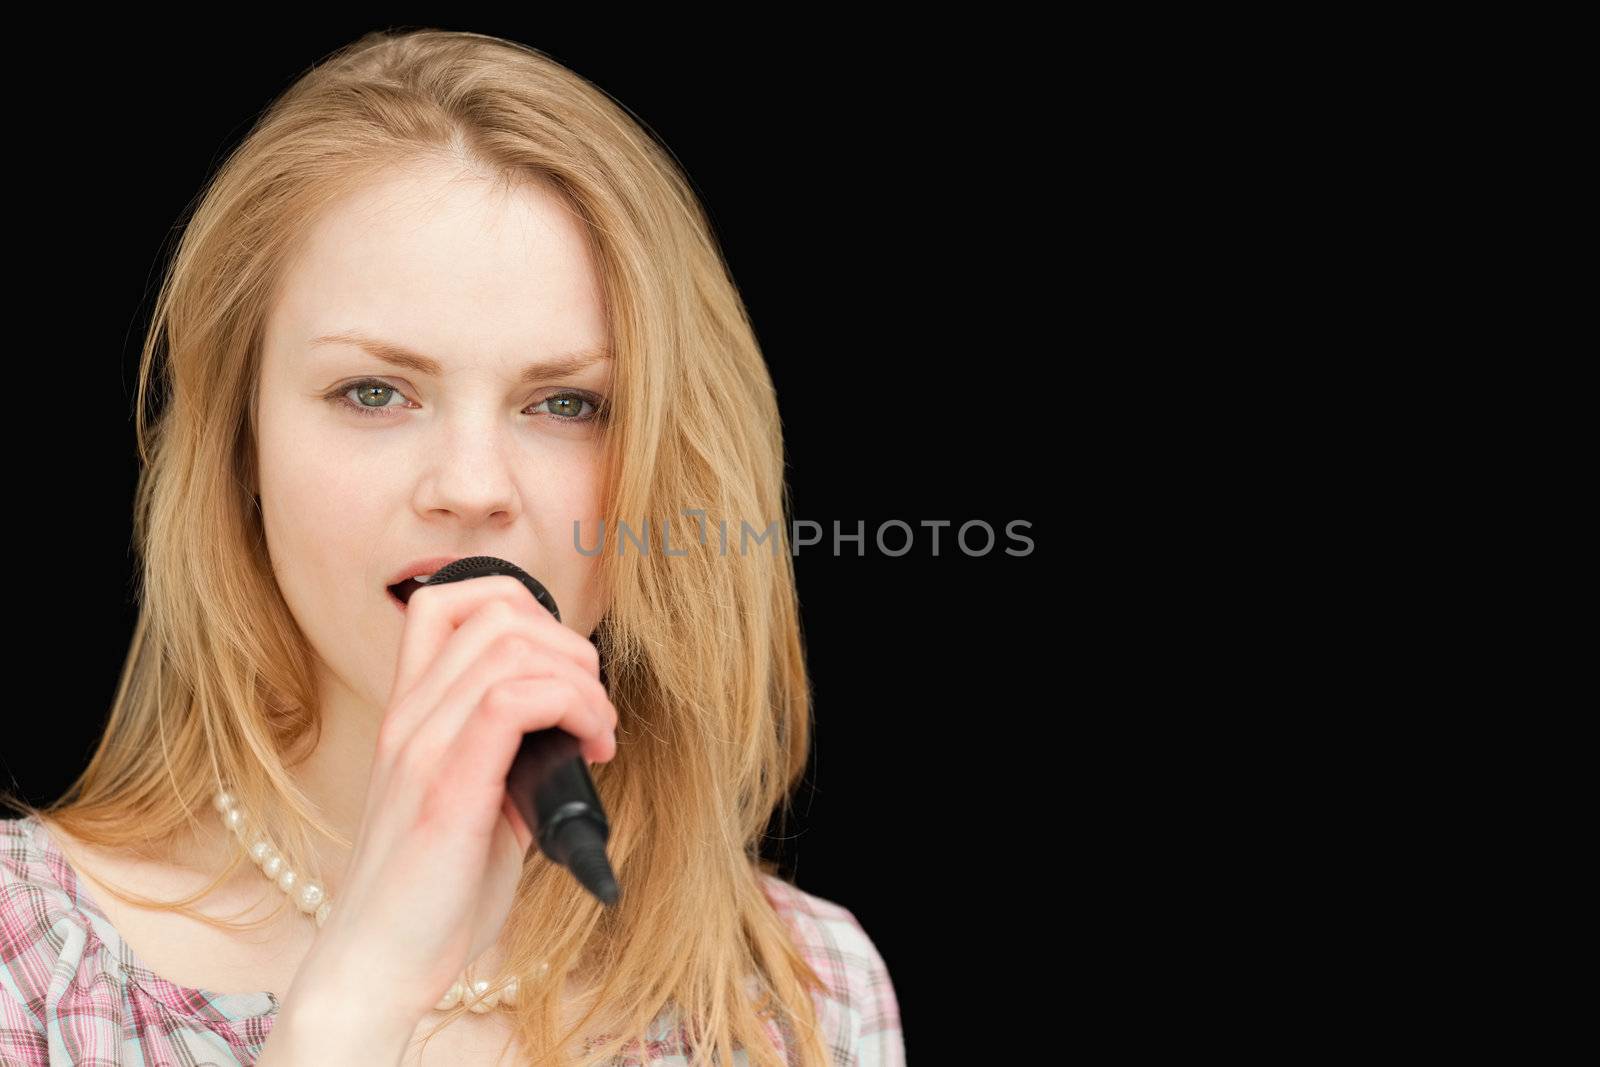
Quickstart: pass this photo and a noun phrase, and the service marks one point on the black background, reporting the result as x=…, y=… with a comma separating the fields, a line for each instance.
x=894, y=213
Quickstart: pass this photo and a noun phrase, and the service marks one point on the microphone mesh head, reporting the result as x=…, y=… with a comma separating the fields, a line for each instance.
x=478, y=566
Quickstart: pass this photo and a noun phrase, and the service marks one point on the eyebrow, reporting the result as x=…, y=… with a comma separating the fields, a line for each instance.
x=400, y=356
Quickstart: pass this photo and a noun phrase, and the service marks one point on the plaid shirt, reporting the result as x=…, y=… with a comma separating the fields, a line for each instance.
x=73, y=992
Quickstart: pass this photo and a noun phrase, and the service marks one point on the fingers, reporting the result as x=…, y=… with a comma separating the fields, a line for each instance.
x=511, y=666
x=447, y=627
x=483, y=752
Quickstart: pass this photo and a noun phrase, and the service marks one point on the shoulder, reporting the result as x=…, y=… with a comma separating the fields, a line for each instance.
x=38, y=892
x=38, y=886
x=71, y=989
x=43, y=918
x=40, y=927
x=849, y=963
x=829, y=936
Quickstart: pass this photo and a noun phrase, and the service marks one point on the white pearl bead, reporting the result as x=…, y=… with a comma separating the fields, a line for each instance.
x=508, y=995
x=452, y=996
x=309, y=897
x=322, y=912
x=484, y=998
x=286, y=880
x=235, y=820
x=272, y=866
x=223, y=801
x=261, y=850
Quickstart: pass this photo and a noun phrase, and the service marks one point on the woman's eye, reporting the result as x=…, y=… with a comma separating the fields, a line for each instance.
x=368, y=391
x=561, y=407
x=569, y=407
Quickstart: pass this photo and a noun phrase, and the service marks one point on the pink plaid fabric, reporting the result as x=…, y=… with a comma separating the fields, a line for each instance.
x=73, y=992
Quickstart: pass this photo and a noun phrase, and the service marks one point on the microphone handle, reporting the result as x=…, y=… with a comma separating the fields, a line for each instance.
x=550, y=787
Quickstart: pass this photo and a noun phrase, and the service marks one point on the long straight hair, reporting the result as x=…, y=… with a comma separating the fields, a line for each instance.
x=702, y=650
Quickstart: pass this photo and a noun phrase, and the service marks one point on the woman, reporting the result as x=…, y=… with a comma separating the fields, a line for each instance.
x=446, y=299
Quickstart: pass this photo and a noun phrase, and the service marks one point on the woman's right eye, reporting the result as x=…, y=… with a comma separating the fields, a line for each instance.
x=341, y=396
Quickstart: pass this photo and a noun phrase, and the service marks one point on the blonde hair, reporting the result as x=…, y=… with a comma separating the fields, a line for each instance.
x=702, y=651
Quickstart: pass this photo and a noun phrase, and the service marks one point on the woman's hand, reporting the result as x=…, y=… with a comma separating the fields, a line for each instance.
x=440, y=849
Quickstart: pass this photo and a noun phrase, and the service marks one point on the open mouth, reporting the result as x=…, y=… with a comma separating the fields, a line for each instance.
x=401, y=591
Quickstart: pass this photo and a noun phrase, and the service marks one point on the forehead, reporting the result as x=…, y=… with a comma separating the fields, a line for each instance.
x=444, y=260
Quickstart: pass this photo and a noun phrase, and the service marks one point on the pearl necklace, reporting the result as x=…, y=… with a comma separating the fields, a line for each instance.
x=480, y=994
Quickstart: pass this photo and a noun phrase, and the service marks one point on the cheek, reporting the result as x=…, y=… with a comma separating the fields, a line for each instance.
x=570, y=574
x=315, y=479
x=315, y=549
x=319, y=516
x=301, y=461
x=323, y=519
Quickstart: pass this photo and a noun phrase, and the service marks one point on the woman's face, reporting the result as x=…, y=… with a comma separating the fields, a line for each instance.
x=365, y=465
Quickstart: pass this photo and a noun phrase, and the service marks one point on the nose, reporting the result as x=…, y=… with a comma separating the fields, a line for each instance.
x=472, y=472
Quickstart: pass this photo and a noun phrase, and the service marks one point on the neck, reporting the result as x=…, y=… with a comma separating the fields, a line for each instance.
x=336, y=775
x=334, y=778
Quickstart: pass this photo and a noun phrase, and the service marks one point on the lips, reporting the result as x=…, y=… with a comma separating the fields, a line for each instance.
x=403, y=582
x=425, y=565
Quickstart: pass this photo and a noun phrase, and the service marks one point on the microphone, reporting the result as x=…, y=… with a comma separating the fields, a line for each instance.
x=548, y=782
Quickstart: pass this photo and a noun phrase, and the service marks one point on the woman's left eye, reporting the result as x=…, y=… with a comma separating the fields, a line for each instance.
x=570, y=409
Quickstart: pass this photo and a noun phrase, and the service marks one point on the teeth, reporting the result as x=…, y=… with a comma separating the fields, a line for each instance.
x=420, y=577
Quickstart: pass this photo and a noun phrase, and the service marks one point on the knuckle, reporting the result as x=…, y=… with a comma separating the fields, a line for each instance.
x=531, y=658
x=498, y=709
x=563, y=697
x=501, y=611
x=511, y=644
x=572, y=701
x=510, y=700
x=506, y=699
x=515, y=698
x=574, y=693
